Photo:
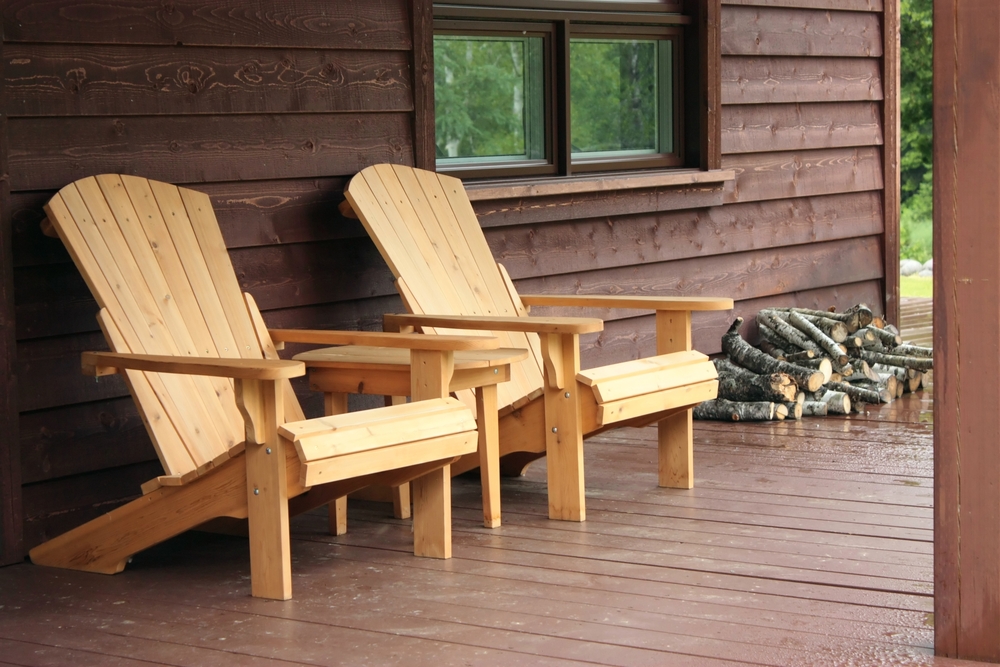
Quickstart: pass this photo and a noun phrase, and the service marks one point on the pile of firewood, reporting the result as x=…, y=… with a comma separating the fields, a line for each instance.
x=813, y=362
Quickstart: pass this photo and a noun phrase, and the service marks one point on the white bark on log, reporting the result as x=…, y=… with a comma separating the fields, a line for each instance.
x=723, y=410
x=815, y=409
x=743, y=354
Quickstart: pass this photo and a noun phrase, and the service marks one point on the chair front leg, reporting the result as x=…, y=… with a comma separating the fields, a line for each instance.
x=267, y=489
x=430, y=377
x=563, y=427
x=675, y=434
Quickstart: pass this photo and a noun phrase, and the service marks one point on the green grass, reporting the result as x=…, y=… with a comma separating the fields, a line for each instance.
x=914, y=286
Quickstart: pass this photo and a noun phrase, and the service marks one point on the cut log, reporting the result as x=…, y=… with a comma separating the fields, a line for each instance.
x=895, y=370
x=864, y=313
x=780, y=412
x=837, y=402
x=815, y=409
x=792, y=336
x=822, y=364
x=884, y=336
x=792, y=410
x=771, y=349
x=799, y=357
x=850, y=319
x=747, y=356
x=858, y=393
x=878, y=322
x=800, y=397
x=741, y=385
x=913, y=351
x=835, y=329
x=916, y=363
x=723, y=410
x=830, y=346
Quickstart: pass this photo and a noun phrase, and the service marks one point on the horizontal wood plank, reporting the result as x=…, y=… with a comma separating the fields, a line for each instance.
x=753, y=128
x=843, y=5
x=803, y=174
x=780, y=80
x=345, y=24
x=72, y=440
x=566, y=247
x=249, y=213
x=779, y=31
x=73, y=80
x=494, y=213
x=49, y=153
x=742, y=276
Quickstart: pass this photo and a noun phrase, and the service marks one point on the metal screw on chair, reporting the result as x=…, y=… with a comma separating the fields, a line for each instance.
x=268, y=450
x=566, y=394
x=496, y=371
x=256, y=491
x=555, y=430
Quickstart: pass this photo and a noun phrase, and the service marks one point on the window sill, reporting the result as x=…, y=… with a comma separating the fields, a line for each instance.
x=508, y=189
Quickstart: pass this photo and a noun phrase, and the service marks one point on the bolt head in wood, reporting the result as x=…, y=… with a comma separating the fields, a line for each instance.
x=256, y=491
x=555, y=429
x=268, y=450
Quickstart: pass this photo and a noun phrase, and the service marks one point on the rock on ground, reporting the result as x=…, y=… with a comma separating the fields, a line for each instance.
x=909, y=267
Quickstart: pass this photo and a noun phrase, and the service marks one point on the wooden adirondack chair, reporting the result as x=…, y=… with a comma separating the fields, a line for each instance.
x=216, y=400
x=428, y=233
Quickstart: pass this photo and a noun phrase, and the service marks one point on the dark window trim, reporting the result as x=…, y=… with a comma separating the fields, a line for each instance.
x=701, y=71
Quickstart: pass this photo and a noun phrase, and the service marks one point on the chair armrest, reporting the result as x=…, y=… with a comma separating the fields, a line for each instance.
x=109, y=363
x=678, y=303
x=382, y=339
x=549, y=325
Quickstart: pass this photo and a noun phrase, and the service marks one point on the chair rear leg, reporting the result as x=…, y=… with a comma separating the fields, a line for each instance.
x=105, y=544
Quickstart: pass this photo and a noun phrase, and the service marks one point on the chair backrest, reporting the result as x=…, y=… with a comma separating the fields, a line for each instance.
x=424, y=226
x=154, y=258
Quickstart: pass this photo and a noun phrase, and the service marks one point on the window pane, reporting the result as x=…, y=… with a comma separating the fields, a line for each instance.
x=489, y=98
x=620, y=97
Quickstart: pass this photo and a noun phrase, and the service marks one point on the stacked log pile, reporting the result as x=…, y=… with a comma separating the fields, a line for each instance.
x=813, y=363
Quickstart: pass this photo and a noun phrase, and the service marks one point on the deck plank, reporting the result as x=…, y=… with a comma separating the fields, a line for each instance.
x=806, y=543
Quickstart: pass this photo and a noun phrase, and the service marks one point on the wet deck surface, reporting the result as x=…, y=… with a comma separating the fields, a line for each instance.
x=804, y=543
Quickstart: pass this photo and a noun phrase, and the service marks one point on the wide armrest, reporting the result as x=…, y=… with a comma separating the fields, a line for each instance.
x=381, y=339
x=554, y=325
x=109, y=363
x=674, y=303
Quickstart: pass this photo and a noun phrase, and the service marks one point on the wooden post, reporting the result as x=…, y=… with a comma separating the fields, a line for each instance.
x=422, y=18
x=675, y=434
x=260, y=402
x=563, y=427
x=11, y=515
x=336, y=404
x=489, y=452
x=890, y=157
x=430, y=377
x=966, y=321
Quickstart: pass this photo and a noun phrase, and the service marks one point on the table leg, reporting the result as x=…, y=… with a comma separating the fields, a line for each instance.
x=489, y=453
x=401, y=493
x=336, y=404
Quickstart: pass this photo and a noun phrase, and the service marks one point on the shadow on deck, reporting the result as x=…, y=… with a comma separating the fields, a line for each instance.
x=803, y=543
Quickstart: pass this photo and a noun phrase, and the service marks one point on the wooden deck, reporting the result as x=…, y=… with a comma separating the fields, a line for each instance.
x=804, y=543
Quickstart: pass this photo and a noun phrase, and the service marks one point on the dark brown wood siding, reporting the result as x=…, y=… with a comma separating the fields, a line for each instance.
x=271, y=108
x=802, y=224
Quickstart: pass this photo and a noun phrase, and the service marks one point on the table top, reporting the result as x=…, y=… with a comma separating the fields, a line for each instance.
x=362, y=356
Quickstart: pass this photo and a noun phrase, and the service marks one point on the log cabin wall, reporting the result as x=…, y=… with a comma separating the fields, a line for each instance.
x=271, y=109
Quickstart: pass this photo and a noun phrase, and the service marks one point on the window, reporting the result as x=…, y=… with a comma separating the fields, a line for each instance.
x=558, y=88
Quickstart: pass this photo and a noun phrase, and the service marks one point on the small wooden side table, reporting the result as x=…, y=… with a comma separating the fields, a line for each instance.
x=357, y=369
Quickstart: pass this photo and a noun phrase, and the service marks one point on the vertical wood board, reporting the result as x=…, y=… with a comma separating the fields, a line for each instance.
x=966, y=319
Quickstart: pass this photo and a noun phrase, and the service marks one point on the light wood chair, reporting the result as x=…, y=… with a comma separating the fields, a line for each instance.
x=215, y=398
x=428, y=234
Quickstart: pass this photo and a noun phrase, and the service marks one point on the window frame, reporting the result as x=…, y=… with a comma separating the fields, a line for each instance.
x=561, y=23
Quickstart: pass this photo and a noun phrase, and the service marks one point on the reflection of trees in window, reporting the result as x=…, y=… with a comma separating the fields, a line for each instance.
x=483, y=95
x=613, y=95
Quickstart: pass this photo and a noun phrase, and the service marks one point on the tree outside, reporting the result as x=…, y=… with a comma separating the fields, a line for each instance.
x=916, y=140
